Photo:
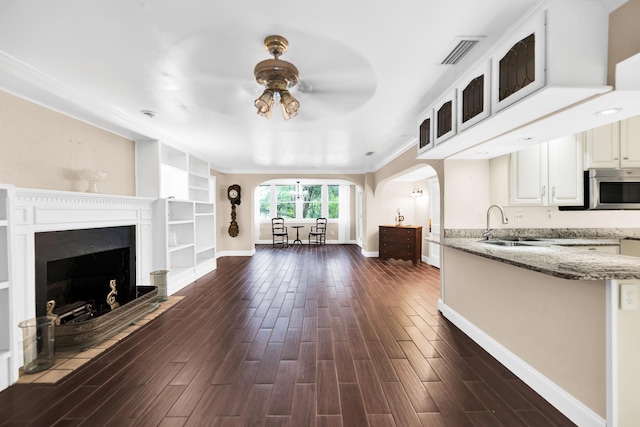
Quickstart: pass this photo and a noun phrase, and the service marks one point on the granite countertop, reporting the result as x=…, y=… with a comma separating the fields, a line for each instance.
x=556, y=257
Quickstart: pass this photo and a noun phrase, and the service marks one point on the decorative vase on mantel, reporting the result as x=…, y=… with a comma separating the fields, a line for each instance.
x=96, y=177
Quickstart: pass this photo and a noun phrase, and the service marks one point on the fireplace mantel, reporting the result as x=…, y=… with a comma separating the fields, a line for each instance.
x=31, y=211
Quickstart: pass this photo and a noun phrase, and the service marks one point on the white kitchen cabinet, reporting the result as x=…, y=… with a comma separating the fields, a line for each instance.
x=614, y=145
x=528, y=176
x=629, y=146
x=445, y=110
x=548, y=174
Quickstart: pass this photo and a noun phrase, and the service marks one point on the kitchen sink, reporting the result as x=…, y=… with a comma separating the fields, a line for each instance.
x=518, y=239
x=506, y=242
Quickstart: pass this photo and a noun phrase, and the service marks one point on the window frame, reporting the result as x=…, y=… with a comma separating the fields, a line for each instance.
x=324, y=202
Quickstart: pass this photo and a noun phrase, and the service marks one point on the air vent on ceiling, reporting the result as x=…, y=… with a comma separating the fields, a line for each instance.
x=460, y=47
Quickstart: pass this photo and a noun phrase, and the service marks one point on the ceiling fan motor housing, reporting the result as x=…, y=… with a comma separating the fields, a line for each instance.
x=275, y=73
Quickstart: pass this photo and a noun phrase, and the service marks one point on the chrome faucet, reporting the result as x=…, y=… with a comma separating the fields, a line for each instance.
x=505, y=220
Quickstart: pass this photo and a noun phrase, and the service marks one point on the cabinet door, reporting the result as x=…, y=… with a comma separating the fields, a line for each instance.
x=629, y=146
x=566, y=186
x=603, y=149
x=528, y=173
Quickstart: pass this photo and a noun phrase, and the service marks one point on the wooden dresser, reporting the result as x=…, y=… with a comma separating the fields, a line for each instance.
x=401, y=242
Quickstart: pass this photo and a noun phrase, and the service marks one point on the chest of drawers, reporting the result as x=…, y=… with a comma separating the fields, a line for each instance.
x=400, y=242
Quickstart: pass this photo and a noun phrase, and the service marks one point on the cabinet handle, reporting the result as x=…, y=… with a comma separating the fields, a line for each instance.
x=553, y=192
x=544, y=191
x=615, y=158
x=625, y=158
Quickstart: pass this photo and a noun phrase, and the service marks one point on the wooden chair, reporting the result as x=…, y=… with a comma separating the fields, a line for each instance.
x=279, y=232
x=318, y=231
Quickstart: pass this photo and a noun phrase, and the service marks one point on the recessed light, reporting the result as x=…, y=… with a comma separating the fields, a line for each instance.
x=369, y=153
x=482, y=153
x=525, y=138
x=149, y=113
x=608, y=112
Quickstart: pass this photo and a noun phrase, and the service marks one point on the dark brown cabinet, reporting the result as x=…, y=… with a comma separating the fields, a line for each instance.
x=401, y=242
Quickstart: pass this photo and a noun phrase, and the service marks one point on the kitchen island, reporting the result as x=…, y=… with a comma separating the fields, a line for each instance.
x=549, y=310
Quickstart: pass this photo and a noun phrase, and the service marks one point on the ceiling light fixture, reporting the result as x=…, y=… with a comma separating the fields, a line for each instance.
x=298, y=193
x=277, y=76
x=608, y=112
x=417, y=192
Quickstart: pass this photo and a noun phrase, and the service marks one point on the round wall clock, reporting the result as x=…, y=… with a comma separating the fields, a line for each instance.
x=233, y=193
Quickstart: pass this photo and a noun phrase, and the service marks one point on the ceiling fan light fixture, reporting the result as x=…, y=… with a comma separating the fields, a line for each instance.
x=289, y=104
x=277, y=76
x=264, y=103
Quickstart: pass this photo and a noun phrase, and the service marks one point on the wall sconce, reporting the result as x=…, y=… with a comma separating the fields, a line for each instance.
x=417, y=192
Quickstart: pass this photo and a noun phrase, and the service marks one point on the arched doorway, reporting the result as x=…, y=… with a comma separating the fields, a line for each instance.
x=416, y=193
x=301, y=200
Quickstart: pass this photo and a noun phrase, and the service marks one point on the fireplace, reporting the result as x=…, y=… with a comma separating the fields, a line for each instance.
x=88, y=278
x=77, y=265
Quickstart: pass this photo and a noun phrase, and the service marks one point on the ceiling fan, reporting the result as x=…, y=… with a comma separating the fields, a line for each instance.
x=277, y=76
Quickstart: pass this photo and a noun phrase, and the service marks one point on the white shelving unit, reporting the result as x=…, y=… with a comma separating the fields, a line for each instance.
x=205, y=239
x=185, y=244
x=6, y=329
x=184, y=216
x=199, y=180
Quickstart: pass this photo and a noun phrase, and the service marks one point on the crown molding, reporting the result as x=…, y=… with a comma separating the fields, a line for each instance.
x=26, y=82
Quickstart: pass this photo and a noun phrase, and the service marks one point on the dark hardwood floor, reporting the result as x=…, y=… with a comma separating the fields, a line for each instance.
x=297, y=336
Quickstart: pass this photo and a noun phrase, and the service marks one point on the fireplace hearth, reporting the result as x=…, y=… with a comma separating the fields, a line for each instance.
x=87, y=278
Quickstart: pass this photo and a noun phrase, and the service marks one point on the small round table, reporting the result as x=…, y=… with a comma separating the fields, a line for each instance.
x=297, y=227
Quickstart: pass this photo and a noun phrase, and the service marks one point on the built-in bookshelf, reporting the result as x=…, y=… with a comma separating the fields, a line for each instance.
x=5, y=292
x=185, y=242
x=184, y=217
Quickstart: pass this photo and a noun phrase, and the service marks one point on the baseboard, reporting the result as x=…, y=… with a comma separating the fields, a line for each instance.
x=369, y=254
x=430, y=261
x=236, y=253
x=571, y=407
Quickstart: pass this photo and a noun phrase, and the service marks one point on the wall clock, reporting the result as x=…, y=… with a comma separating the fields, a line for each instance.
x=233, y=194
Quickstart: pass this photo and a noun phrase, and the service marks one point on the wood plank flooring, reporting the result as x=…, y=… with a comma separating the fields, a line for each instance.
x=298, y=336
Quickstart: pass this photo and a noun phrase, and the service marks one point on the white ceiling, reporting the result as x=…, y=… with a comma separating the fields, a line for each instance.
x=368, y=69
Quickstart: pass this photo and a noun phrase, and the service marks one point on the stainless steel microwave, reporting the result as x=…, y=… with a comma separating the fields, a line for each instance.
x=614, y=189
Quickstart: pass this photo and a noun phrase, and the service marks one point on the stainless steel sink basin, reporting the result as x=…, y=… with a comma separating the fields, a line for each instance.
x=506, y=242
x=518, y=239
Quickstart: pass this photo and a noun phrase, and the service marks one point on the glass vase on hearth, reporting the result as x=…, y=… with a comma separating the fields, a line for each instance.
x=38, y=341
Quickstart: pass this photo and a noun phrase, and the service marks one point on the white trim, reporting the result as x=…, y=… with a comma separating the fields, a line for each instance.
x=611, y=5
x=431, y=261
x=252, y=252
x=612, y=351
x=370, y=254
x=571, y=407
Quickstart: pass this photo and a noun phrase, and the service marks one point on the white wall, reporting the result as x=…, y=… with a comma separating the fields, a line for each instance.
x=47, y=150
x=466, y=193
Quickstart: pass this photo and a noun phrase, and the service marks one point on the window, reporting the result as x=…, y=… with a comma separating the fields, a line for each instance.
x=264, y=201
x=315, y=201
x=334, y=201
x=285, y=204
x=312, y=204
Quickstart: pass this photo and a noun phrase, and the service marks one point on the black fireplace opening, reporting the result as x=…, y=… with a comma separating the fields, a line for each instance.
x=75, y=268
